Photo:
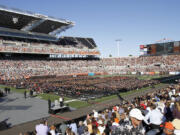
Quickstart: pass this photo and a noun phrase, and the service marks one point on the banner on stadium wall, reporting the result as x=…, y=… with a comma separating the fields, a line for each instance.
x=157, y=72
x=123, y=73
x=151, y=73
x=145, y=73
x=172, y=73
x=177, y=73
x=79, y=74
x=90, y=74
x=100, y=73
x=133, y=73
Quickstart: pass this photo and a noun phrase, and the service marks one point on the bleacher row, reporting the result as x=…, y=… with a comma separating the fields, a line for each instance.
x=17, y=69
x=9, y=46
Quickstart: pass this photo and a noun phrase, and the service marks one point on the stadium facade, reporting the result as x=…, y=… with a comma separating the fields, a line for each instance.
x=165, y=48
x=24, y=34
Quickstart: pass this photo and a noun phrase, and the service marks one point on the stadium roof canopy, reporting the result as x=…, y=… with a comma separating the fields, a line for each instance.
x=31, y=22
x=88, y=42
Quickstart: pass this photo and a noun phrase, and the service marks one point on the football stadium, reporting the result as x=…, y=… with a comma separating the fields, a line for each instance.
x=60, y=85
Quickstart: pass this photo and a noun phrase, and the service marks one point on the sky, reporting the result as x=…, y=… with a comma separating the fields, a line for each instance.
x=135, y=22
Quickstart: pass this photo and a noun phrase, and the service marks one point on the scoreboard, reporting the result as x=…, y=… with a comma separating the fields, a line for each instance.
x=160, y=48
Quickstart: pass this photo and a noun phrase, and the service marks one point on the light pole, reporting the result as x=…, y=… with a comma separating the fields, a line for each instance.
x=118, y=45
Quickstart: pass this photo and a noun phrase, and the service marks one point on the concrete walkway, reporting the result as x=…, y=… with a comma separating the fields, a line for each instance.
x=17, y=109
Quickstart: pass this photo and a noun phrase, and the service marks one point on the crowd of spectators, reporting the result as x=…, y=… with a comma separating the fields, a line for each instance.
x=156, y=113
x=45, y=48
x=17, y=69
x=169, y=63
x=81, y=86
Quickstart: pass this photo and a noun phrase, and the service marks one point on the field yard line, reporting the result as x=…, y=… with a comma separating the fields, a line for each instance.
x=68, y=101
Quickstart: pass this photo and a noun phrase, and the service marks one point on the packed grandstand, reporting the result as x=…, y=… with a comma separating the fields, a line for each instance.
x=19, y=69
x=32, y=57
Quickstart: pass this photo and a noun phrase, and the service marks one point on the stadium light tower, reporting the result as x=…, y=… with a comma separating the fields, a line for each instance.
x=118, y=45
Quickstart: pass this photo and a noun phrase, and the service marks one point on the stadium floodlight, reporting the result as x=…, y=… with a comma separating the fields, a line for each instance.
x=118, y=45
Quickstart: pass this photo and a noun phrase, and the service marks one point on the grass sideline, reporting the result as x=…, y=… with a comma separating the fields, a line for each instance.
x=13, y=89
x=150, y=77
x=52, y=97
x=141, y=77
